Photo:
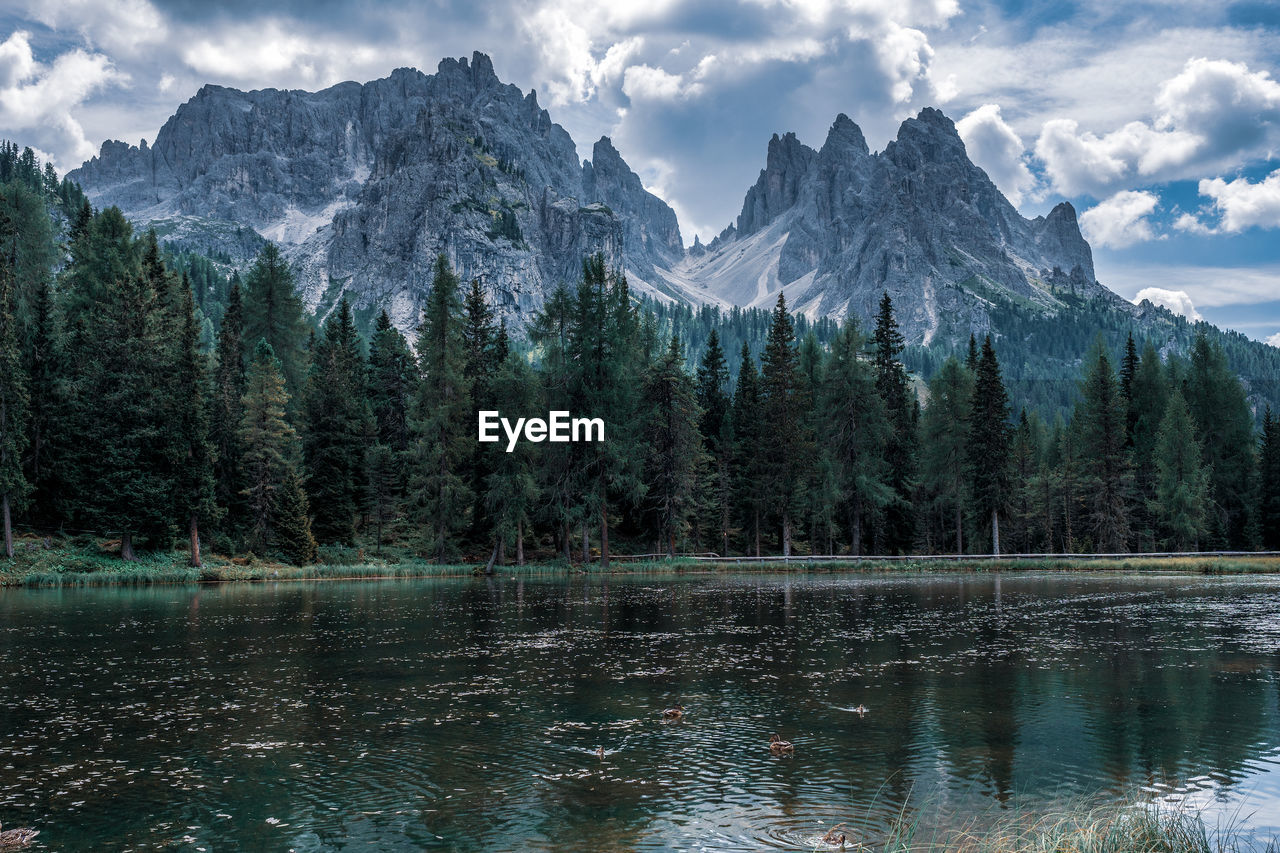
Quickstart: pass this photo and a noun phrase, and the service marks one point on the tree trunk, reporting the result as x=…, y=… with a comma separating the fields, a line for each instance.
x=493, y=557
x=586, y=544
x=756, y=528
x=855, y=525
x=786, y=535
x=8, y=528
x=520, y=542
x=995, y=533
x=959, y=529
x=126, y=547
x=565, y=543
x=604, y=534
x=195, y=542
x=502, y=551
x=671, y=542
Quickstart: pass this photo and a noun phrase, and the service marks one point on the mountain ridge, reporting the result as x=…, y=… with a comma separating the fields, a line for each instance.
x=364, y=184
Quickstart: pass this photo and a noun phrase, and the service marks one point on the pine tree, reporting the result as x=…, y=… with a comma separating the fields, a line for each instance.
x=971, y=357
x=382, y=489
x=855, y=433
x=748, y=451
x=194, y=484
x=45, y=367
x=550, y=332
x=1269, y=478
x=391, y=384
x=945, y=444
x=1107, y=477
x=268, y=444
x=675, y=454
x=1149, y=392
x=338, y=427
x=716, y=429
x=441, y=422
x=273, y=313
x=989, y=437
x=511, y=487
x=13, y=404
x=894, y=388
x=479, y=337
x=290, y=525
x=1182, y=483
x=1128, y=371
x=1225, y=430
x=227, y=414
x=784, y=404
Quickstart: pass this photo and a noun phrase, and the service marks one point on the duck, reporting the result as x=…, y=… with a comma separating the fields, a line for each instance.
x=860, y=710
x=675, y=712
x=600, y=753
x=778, y=746
x=19, y=837
x=835, y=836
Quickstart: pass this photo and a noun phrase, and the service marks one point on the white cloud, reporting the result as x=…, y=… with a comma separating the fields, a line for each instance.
x=1177, y=301
x=1121, y=220
x=38, y=100
x=271, y=50
x=1209, y=286
x=1212, y=113
x=1244, y=205
x=993, y=145
x=1192, y=224
x=640, y=82
x=1274, y=340
x=122, y=26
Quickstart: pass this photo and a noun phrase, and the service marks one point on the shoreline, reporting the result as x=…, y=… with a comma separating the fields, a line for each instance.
x=60, y=567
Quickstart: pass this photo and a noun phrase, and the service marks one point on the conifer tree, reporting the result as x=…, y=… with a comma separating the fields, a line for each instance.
x=675, y=454
x=971, y=357
x=1107, y=477
x=274, y=313
x=13, y=405
x=856, y=432
x=550, y=332
x=268, y=445
x=1128, y=371
x=227, y=414
x=1148, y=394
x=894, y=388
x=785, y=399
x=1225, y=430
x=479, y=335
x=194, y=485
x=442, y=419
x=290, y=524
x=391, y=383
x=748, y=451
x=511, y=487
x=1024, y=462
x=382, y=489
x=338, y=424
x=716, y=429
x=1182, y=483
x=945, y=444
x=45, y=368
x=1269, y=479
x=989, y=437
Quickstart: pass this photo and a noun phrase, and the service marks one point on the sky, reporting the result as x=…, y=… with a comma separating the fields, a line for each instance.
x=1159, y=122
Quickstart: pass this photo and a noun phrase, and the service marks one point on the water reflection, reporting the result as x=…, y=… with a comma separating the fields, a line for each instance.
x=467, y=715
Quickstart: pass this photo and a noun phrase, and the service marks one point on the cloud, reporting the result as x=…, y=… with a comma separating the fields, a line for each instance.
x=1121, y=220
x=122, y=26
x=1213, y=113
x=1245, y=205
x=994, y=146
x=1274, y=340
x=38, y=100
x=1177, y=301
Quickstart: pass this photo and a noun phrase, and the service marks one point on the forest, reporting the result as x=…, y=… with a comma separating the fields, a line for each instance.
x=134, y=405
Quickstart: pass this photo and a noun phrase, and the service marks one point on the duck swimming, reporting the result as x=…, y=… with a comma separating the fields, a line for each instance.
x=20, y=837
x=675, y=712
x=860, y=710
x=778, y=746
x=834, y=835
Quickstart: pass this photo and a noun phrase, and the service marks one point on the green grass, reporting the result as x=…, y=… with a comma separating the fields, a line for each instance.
x=1136, y=827
x=89, y=561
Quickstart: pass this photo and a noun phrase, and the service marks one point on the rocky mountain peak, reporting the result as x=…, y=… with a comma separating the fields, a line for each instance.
x=650, y=228
x=775, y=191
x=844, y=139
x=1059, y=238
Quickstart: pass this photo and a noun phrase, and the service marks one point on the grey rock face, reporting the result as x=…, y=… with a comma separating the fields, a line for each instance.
x=363, y=185
x=918, y=221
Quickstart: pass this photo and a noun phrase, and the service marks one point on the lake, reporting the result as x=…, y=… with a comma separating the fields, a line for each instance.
x=467, y=714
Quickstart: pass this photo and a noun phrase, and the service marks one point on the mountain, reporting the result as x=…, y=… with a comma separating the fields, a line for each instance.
x=837, y=227
x=363, y=185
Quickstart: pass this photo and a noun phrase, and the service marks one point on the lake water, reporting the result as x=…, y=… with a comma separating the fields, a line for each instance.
x=467, y=714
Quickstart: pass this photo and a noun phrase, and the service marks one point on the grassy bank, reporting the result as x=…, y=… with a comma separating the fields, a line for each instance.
x=86, y=561
x=1130, y=828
